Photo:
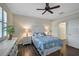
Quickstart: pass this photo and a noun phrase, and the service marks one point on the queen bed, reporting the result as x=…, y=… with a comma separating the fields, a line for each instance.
x=46, y=44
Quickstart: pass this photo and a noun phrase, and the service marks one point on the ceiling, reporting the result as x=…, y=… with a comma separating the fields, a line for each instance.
x=29, y=9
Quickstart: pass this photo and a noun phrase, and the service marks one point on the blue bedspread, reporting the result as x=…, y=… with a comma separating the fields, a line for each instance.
x=46, y=42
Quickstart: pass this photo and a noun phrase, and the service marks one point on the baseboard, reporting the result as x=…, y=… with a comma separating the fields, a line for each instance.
x=73, y=47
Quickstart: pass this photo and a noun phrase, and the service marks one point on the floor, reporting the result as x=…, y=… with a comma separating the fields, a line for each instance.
x=30, y=50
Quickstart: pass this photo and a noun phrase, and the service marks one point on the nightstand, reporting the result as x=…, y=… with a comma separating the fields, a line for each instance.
x=27, y=40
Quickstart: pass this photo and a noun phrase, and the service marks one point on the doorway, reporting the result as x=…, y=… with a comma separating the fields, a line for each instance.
x=62, y=30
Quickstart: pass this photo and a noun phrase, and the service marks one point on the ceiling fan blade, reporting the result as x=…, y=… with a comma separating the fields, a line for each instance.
x=47, y=4
x=40, y=9
x=50, y=11
x=55, y=7
x=43, y=12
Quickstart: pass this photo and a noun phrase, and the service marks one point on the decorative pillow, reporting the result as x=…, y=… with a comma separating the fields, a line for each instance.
x=44, y=34
x=36, y=34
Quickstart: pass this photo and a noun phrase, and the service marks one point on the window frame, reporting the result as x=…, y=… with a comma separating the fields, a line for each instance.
x=1, y=22
x=4, y=23
x=2, y=38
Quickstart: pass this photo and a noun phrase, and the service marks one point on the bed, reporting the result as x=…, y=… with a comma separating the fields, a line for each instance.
x=46, y=44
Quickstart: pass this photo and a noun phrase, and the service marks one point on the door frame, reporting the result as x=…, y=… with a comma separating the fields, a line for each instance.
x=65, y=28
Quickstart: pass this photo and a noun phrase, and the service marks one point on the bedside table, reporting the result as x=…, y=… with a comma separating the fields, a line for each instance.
x=26, y=40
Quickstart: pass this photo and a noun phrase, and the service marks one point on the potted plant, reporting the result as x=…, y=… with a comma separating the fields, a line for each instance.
x=10, y=31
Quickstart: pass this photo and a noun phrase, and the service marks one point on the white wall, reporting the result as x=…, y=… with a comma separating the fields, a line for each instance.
x=73, y=33
x=72, y=29
x=36, y=24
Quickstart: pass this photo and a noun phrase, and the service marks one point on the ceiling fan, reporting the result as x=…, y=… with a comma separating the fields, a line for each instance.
x=48, y=8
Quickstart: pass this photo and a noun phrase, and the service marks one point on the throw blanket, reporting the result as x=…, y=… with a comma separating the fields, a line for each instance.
x=46, y=42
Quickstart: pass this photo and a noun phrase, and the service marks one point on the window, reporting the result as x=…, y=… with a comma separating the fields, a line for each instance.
x=3, y=23
x=0, y=22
